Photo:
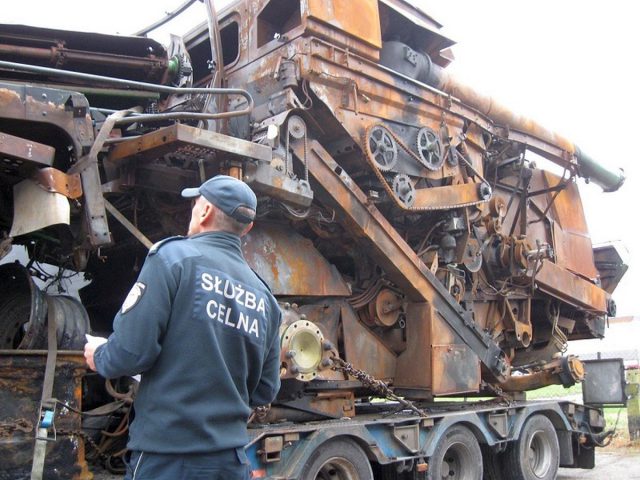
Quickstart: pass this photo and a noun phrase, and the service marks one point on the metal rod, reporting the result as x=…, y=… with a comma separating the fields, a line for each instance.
x=128, y=225
x=168, y=17
x=144, y=86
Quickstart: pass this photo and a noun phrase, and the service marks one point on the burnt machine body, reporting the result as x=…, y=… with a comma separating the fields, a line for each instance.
x=402, y=222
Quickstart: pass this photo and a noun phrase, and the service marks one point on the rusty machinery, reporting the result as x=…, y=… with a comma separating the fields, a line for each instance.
x=403, y=222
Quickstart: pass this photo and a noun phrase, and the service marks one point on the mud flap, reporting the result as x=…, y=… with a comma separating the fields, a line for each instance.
x=35, y=208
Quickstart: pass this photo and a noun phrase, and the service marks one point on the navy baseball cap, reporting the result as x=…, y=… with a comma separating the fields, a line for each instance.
x=228, y=194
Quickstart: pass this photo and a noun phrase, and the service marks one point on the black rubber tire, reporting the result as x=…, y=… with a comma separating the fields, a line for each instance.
x=14, y=314
x=338, y=459
x=491, y=463
x=457, y=456
x=535, y=455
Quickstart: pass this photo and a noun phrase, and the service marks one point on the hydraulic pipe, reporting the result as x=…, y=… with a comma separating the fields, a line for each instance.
x=151, y=117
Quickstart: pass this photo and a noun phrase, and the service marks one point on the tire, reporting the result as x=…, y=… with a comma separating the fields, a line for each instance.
x=535, y=455
x=491, y=463
x=14, y=315
x=457, y=456
x=339, y=459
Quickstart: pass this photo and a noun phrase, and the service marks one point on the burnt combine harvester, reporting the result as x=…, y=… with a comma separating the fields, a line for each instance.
x=417, y=250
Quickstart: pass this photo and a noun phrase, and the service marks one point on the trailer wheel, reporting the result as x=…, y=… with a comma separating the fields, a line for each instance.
x=491, y=463
x=457, y=456
x=339, y=459
x=535, y=455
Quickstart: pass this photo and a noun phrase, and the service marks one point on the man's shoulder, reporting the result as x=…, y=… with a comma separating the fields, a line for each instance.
x=174, y=249
x=155, y=248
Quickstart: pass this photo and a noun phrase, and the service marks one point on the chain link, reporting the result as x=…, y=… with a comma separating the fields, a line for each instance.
x=369, y=156
x=87, y=439
x=377, y=386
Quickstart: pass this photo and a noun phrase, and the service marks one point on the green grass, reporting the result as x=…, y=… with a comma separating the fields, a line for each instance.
x=555, y=391
x=611, y=415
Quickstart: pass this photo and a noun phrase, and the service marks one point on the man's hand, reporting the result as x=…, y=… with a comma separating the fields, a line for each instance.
x=90, y=349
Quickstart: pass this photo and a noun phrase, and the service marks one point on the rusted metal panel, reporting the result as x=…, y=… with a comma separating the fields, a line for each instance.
x=442, y=197
x=611, y=266
x=436, y=361
x=66, y=110
x=365, y=350
x=414, y=367
x=571, y=234
x=571, y=288
x=21, y=377
x=53, y=180
x=455, y=369
x=16, y=151
x=188, y=141
x=358, y=18
x=290, y=264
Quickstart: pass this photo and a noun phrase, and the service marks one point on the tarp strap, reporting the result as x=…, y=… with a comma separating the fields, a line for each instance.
x=46, y=402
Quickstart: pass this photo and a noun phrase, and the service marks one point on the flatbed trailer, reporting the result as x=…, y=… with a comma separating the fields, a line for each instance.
x=385, y=441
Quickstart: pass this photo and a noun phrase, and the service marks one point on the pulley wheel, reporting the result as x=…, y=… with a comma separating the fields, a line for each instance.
x=387, y=308
x=296, y=126
x=429, y=149
x=383, y=148
x=404, y=189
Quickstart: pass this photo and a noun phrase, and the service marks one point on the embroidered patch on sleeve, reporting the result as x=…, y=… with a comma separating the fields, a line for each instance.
x=134, y=297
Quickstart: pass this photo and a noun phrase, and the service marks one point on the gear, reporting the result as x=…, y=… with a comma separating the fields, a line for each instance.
x=383, y=147
x=379, y=134
x=429, y=149
x=404, y=189
x=296, y=126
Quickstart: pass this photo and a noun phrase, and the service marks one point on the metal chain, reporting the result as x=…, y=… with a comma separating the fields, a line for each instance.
x=259, y=414
x=88, y=440
x=369, y=156
x=377, y=386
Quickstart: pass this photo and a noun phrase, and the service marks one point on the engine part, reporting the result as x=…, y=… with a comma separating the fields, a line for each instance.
x=386, y=309
x=383, y=148
x=302, y=346
x=404, y=189
x=429, y=149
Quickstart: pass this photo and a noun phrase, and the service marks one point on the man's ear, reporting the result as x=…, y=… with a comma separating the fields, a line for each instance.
x=207, y=213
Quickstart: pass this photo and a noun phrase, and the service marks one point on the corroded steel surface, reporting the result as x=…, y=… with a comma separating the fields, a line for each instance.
x=21, y=376
x=290, y=264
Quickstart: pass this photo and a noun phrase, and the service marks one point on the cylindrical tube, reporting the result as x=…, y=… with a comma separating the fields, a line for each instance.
x=608, y=180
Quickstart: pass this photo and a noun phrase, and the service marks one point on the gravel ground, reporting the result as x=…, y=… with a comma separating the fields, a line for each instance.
x=613, y=465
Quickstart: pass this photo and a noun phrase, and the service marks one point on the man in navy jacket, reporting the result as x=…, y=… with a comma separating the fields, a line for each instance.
x=202, y=329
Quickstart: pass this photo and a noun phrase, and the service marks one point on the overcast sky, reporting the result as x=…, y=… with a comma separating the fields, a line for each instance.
x=572, y=65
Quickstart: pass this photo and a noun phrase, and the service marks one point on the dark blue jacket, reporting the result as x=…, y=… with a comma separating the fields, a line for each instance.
x=202, y=328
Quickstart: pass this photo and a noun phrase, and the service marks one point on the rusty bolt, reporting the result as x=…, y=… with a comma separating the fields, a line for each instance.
x=327, y=345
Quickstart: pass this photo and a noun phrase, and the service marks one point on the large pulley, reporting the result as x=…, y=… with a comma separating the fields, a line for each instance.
x=429, y=149
x=383, y=147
